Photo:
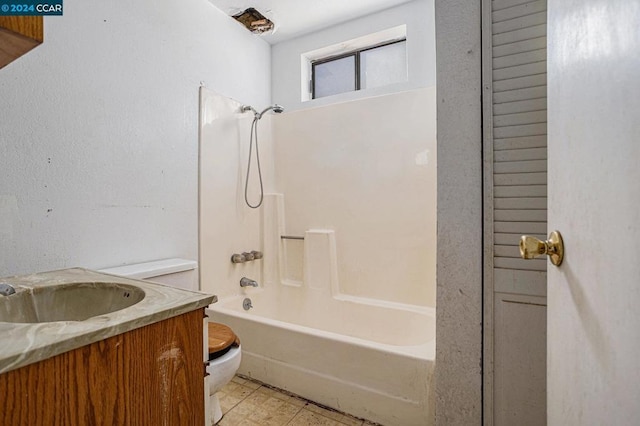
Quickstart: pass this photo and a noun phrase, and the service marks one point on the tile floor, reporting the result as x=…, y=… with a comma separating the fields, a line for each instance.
x=245, y=402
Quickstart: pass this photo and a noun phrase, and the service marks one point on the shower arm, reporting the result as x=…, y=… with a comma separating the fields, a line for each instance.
x=245, y=108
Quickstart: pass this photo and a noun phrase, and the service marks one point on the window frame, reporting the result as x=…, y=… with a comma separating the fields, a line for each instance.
x=356, y=54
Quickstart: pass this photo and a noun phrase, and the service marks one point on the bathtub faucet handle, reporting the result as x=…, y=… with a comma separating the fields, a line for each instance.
x=247, y=282
x=248, y=256
x=246, y=304
x=256, y=254
x=238, y=258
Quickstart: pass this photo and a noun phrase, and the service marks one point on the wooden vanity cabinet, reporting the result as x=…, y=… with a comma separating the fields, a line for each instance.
x=148, y=376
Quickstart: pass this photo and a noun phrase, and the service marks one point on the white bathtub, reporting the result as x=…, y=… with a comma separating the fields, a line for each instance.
x=367, y=358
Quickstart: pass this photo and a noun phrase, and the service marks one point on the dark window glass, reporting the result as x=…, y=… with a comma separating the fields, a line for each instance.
x=363, y=69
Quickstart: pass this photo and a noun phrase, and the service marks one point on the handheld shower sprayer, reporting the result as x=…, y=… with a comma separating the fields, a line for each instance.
x=254, y=134
x=275, y=107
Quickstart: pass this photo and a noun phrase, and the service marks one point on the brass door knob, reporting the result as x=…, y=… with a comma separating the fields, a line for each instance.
x=531, y=247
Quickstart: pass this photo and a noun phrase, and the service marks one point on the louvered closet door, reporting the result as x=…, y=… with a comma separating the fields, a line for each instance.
x=515, y=153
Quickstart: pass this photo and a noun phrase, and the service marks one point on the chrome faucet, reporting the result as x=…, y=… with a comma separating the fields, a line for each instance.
x=6, y=289
x=246, y=282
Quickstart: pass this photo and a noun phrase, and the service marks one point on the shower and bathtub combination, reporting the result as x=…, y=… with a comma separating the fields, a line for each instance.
x=344, y=308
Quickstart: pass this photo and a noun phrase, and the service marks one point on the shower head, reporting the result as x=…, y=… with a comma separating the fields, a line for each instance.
x=275, y=107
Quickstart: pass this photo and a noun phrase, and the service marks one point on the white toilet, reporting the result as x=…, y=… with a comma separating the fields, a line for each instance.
x=224, y=361
x=224, y=346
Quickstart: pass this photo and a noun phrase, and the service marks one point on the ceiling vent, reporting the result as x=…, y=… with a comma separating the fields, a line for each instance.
x=255, y=21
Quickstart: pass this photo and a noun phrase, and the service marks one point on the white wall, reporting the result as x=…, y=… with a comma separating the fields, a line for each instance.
x=99, y=131
x=367, y=170
x=419, y=18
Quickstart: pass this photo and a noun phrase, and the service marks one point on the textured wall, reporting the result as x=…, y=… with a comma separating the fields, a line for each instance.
x=99, y=131
x=459, y=263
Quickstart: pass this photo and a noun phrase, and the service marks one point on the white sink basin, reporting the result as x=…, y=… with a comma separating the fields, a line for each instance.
x=67, y=302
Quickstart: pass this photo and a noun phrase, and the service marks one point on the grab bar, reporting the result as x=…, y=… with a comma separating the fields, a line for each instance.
x=289, y=237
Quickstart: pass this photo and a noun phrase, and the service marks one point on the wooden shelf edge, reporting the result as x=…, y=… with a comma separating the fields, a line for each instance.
x=19, y=35
x=29, y=26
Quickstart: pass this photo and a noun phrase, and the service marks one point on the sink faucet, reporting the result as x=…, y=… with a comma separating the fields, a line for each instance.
x=6, y=289
x=246, y=282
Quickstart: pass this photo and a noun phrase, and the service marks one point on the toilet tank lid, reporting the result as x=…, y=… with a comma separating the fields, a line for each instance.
x=152, y=269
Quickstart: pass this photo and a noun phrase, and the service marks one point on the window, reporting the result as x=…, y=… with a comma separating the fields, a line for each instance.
x=366, y=68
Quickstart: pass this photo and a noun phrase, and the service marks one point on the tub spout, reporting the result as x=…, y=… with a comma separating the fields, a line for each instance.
x=246, y=282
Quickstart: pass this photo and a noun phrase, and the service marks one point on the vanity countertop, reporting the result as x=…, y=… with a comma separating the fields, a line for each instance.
x=26, y=343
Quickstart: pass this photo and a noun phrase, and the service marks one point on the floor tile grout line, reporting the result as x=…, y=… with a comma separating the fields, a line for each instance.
x=294, y=416
x=306, y=401
x=239, y=402
x=243, y=399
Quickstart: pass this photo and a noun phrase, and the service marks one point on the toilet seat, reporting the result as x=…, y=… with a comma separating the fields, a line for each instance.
x=224, y=360
x=221, y=339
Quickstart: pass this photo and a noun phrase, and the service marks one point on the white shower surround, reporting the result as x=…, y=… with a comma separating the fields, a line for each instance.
x=366, y=169
x=343, y=346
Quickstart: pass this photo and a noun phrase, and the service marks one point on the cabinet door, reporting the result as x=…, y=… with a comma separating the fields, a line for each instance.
x=152, y=375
